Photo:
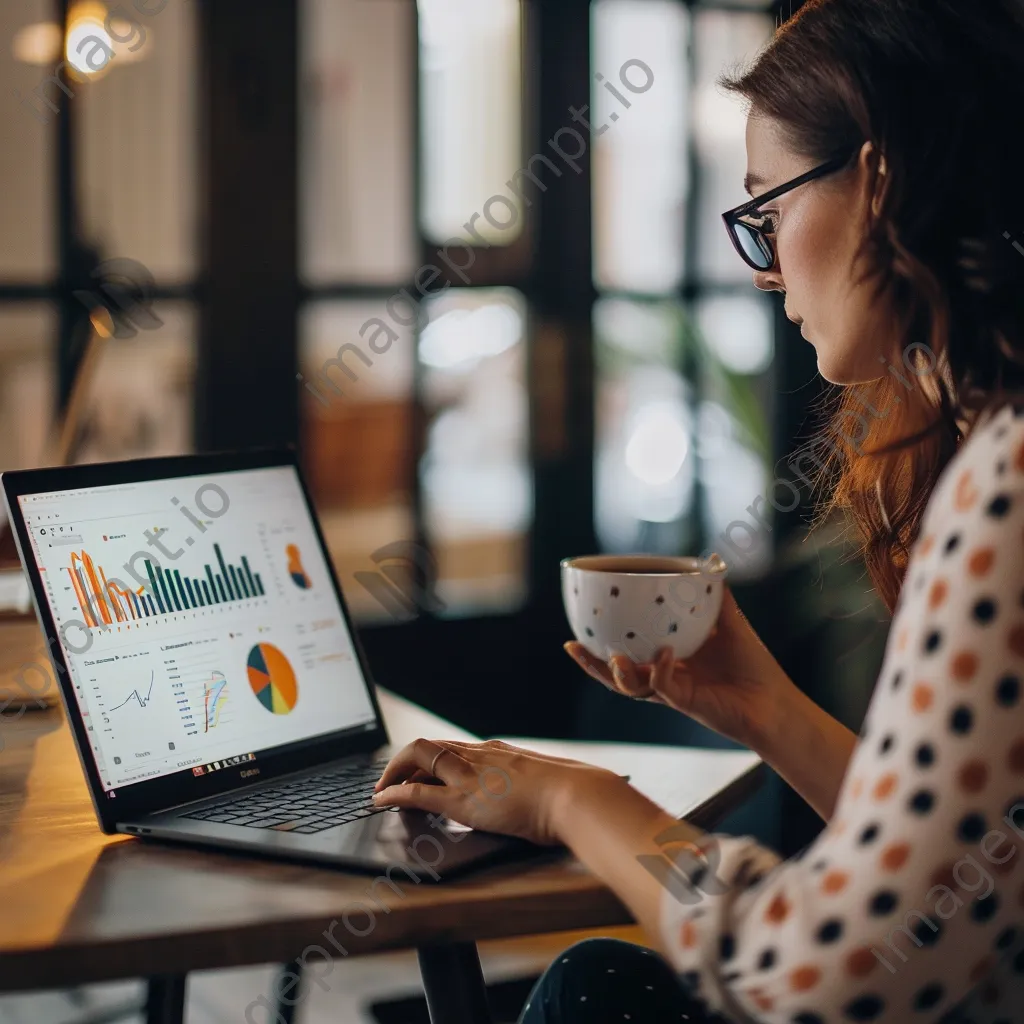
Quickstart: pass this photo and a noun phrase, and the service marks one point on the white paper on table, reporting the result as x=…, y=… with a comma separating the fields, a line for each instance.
x=679, y=779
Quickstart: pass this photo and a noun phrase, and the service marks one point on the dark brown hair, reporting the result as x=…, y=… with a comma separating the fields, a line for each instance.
x=938, y=87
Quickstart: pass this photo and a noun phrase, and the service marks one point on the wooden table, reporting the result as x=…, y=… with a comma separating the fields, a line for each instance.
x=80, y=907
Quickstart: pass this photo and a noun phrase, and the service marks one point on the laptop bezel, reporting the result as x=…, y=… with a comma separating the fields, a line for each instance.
x=137, y=800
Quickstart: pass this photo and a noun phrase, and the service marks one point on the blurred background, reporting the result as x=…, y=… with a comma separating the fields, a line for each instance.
x=590, y=369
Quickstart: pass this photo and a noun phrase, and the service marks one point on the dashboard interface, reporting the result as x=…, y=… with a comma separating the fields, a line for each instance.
x=198, y=620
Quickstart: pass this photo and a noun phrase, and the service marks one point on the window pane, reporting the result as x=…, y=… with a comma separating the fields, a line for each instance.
x=722, y=40
x=28, y=340
x=735, y=417
x=357, y=127
x=475, y=473
x=31, y=43
x=137, y=135
x=645, y=467
x=140, y=399
x=356, y=436
x=471, y=114
x=640, y=165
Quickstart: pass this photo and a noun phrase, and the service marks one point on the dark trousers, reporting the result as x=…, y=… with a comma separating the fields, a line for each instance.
x=598, y=981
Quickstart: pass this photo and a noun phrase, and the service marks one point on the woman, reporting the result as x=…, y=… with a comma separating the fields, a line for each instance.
x=899, y=257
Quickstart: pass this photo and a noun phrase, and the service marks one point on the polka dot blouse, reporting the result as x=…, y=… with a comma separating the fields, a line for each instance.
x=909, y=906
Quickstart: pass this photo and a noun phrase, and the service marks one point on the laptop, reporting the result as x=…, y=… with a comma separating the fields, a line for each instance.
x=211, y=676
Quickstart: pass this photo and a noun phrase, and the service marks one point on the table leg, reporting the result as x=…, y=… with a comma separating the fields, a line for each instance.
x=165, y=1002
x=454, y=984
x=288, y=995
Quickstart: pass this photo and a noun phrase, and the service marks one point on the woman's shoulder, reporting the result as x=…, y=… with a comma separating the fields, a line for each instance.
x=985, y=478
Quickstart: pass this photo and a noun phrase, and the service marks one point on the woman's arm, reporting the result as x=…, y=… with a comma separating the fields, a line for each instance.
x=809, y=748
x=734, y=685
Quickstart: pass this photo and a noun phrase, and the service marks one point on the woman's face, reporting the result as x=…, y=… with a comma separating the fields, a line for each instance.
x=817, y=229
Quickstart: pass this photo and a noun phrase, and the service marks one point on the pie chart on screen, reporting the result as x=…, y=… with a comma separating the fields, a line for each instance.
x=272, y=679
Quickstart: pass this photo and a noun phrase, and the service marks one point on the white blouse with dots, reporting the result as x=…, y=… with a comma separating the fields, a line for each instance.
x=909, y=906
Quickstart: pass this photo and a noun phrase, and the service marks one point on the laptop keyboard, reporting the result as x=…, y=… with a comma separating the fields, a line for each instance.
x=310, y=804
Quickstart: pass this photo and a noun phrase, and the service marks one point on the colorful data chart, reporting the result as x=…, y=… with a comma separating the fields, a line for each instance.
x=295, y=570
x=272, y=679
x=214, y=697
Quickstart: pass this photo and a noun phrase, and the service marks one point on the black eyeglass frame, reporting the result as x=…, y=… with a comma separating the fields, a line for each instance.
x=732, y=217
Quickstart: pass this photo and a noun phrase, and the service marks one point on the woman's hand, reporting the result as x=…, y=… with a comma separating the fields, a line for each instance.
x=492, y=786
x=731, y=684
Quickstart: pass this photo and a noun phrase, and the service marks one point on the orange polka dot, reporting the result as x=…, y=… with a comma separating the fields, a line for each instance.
x=834, y=881
x=982, y=969
x=973, y=776
x=901, y=640
x=856, y=788
x=861, y=962
x=981, y=561
x=884, y=787
x=778, y=910
x=1019, y=460
x=990, y=994
x=937, y=594
x=963, y=666
x=1016, y=640
x=1007, y=866
x=922, y=697
x=944, y=876
x=838, y=827
x=1016, y=757
x=927, y=544
x=688, y=938
x=761, y=1000
x=895, y=856
x=804, y=978
x=966, y=493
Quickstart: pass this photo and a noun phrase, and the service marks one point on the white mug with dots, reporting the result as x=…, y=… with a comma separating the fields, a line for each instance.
x=636, y=604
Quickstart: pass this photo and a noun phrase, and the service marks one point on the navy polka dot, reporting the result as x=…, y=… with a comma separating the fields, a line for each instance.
x=882, y=903
x=922, y=801
x=887, y=743
x=961, y=720
x=1008, y=691
x=929, y=996
x=726, y=947
x=830, y=931
x=971, y=828
x=766, y=961
x=984, y=611
x=999, y=506
x=1007, y=937
x=952, y=543
x=927, y=931
x=869, y=835
x=932, y=641
x=983, y=910
x=867, y=1007
x=925, y=755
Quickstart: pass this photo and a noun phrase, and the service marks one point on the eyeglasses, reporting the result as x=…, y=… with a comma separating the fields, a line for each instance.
x=746, y=225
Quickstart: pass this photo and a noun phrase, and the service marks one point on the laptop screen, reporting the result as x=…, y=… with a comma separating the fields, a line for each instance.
x=198, y=620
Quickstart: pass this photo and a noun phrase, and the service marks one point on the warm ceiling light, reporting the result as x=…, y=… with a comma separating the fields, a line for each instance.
x=38, y=43
x=88, y=48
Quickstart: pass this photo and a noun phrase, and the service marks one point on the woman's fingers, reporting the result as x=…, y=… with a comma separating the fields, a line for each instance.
x=628, y=680
x=419, y=796
x=594, y=667
x=663, y=667
x=434, y=757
